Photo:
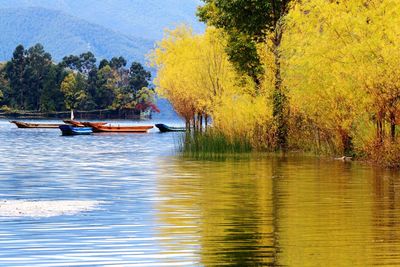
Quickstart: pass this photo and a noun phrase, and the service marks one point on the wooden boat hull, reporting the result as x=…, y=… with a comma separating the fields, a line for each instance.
x=118, y=129
x=72, y=130
x=21, y=124
x=82, y=124
x=165, y=128
x=73, y=123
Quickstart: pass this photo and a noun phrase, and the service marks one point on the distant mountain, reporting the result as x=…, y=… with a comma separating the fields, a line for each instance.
x=139, y=18
x=62, y=34
x=105, y=27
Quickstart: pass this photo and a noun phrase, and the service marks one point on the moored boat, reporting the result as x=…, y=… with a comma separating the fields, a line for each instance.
x=73, y=130
x=118, y=128
x=165, y=128
x=21, y=124
x=73, y=123
x=82, y=124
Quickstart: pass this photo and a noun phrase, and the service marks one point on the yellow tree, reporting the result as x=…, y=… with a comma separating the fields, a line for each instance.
x=340, y=59
x=196, y=76
x=193, y=72
x=170, y=57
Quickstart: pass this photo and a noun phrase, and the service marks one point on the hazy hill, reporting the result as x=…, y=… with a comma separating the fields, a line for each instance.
x=140, y=18
x=63, y=34
x=105, y=27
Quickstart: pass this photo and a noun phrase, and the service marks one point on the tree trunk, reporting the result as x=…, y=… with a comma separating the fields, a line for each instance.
x=378, y=133
x=392, y=126
x=381, y=131
x=187, y=122
x=201, y=122
x=194, y=122
x=279, y=97
x=347, y=143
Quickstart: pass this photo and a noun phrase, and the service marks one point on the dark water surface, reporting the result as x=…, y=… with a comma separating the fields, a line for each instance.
x=158, y=209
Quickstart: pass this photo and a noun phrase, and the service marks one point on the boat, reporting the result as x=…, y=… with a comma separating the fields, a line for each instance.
x=165, y=128
x=21, y=124
x=72, y=130
x=117, y=129
x=73, y=123
x=81, y=124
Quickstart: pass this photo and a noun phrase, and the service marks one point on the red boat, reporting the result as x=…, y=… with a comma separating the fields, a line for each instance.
x=117, y=129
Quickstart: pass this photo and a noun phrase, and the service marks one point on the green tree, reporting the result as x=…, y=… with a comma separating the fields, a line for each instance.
x=92, y=85
x=38, y=64
x=73, y=88
x=15, y=71
x=105, y=90
x=103, y=63
x=117, y=62
x=4, y=85
x=255, y=21
x=83, y=63
x=26, y=73
x=51, y=98
x=87, y=62
x=139, y=77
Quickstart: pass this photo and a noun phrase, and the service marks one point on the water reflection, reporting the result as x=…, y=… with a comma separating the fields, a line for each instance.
x=274, y=212
x=386, y=223
x=231, y=203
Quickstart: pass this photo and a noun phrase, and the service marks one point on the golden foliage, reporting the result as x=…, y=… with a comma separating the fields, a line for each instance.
x=341, y=61
x=340, y=69
x=195, y=75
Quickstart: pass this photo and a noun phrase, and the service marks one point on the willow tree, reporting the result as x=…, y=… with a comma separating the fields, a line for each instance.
x=341, y=62
x=193, y=72
x=249, y=23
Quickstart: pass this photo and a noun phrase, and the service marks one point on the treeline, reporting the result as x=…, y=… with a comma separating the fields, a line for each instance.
x=32, y=81
x=293, y=75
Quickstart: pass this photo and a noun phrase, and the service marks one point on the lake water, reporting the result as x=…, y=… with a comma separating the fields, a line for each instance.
x=158, y=209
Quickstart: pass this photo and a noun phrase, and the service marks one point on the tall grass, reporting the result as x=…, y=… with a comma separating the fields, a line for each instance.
x=211, y=144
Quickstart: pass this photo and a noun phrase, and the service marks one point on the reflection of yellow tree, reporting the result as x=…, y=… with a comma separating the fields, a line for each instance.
x=329, y=216
x=263, y=212
x=230, y=202
x=386, y=217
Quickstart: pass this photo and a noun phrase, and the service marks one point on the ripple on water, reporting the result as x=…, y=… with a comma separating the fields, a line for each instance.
x=133, y=203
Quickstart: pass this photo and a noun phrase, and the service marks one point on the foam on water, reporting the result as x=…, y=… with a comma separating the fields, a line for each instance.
x=45, y=209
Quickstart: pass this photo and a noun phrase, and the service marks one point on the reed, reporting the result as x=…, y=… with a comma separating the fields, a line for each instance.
x=211, y=144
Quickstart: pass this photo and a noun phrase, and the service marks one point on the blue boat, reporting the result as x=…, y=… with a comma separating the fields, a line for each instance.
x=72, y=130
